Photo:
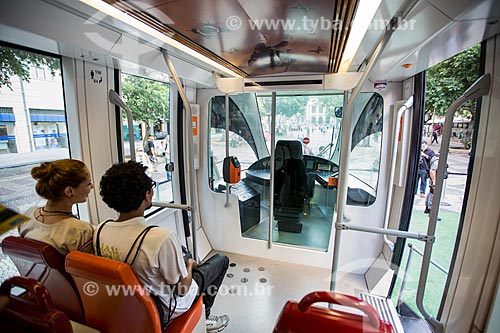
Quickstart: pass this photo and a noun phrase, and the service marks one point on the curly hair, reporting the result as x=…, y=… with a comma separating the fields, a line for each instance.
x=124, y=186
x=53, y=177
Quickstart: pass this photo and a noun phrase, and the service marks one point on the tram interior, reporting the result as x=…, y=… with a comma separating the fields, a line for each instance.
x=220, y=53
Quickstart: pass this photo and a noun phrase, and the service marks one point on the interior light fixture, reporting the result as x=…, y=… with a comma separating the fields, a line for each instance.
x=122, y=16
x=364, y=15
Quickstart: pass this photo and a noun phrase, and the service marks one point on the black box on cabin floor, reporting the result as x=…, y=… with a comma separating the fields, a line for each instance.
x=295, y=227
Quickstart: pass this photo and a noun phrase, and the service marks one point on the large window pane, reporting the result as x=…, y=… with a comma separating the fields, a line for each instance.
x=32, y=128
x=148, y=101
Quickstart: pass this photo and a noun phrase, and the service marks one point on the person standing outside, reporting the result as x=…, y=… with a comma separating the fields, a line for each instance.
x=434, y=137
x=426, y=154
x=149, y=149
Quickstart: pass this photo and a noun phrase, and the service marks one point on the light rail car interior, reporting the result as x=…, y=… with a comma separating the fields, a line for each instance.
x=325, y=106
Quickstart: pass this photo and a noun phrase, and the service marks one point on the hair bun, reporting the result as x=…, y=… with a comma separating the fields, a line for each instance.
x=44, y=171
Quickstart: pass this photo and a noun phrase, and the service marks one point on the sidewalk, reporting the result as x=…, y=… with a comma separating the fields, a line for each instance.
x=455, y=146
x=22, y=159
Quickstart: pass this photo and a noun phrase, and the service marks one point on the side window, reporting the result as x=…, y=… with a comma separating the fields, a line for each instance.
x=33, y=129
x=33, y=125
x=148, y=101
x=366, y=147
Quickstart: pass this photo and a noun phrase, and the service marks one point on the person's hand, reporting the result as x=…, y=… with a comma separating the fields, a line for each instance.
x=192, y=263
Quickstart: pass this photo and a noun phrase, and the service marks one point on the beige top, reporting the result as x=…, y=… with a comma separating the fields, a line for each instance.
x=65, y=236
x=159, y=263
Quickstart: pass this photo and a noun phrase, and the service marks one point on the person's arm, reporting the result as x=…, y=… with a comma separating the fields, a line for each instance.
x=177, y=273
x=184, y=284
x=432, y=174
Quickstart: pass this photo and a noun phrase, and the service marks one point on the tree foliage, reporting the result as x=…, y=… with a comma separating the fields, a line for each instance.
x=148, y=100
x=17, y=62
x=447, y=80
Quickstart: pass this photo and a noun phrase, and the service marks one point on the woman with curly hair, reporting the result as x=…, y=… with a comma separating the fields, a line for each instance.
x=62, y=183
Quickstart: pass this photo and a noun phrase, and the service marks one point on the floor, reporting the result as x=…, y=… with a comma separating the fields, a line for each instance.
x=316, y=228
x=255, y=290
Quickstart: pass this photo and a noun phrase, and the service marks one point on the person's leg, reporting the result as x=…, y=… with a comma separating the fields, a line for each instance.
x=423, y=184
x=209, y=276
x=418, y=182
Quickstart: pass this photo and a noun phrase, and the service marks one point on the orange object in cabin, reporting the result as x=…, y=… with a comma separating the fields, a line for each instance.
x=231, y=170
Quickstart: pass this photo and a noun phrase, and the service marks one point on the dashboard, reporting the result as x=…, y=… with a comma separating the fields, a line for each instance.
x=259, y=172
x=358, y=194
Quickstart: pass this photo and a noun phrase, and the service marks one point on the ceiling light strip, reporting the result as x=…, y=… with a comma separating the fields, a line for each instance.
x=147, y=19
x=120, y=15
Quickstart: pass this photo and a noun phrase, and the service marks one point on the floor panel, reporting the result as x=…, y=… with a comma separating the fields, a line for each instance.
x=255, y=290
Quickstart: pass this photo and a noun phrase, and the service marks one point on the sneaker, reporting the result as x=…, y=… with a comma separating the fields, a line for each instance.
x=216, y=323
x=427, y=211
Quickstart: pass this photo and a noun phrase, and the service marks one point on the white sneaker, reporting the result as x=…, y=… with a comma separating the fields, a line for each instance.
x=217, y=323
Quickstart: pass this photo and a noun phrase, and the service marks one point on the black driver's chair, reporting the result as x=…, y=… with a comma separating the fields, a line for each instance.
x=290, y=185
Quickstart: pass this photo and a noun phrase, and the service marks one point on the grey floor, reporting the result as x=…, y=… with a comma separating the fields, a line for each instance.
x=255, y=290
x=316, y=228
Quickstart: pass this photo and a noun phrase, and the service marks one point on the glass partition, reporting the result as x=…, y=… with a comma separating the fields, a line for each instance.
x=307, y=153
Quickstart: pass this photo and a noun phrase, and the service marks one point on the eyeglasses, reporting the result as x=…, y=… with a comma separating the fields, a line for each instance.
x=153, y=184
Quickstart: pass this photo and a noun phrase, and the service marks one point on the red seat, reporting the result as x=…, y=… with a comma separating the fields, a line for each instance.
x=32, y=311
x=40, y=261
x=110, y=308
x=302, y=317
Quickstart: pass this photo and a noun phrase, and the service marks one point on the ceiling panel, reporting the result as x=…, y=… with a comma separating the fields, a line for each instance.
x=257, y=37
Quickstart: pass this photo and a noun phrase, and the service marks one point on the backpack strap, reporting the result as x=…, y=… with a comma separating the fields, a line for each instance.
x=139, y=238
x=97, y=238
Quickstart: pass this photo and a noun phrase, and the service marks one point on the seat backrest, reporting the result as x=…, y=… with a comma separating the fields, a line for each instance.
x=43, y=263
x=31, y=311
x=114, y=299
x=291, y=179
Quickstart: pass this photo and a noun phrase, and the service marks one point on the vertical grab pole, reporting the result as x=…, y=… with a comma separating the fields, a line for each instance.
x=226, y=103
x=408, y=104
x=345, y=153
x=190, y=165
x=117, y=100
x=479, y=88
x=271, y=170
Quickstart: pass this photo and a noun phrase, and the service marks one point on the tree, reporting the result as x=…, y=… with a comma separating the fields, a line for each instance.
x=148, y=100
x=447, y=80
x=17, y=62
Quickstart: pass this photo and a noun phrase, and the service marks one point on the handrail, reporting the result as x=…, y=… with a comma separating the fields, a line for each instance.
x=228, y=188
x=345, y=151
x=271, y=170
x=407, y=269
x=117, y=100
x=433, y=263
x=479, y=88
x=406, y=106
x=188, y=208
x=189, y=136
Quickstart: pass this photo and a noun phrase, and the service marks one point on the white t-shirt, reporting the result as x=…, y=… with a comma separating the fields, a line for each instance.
x=158, y=265
x=65, y=236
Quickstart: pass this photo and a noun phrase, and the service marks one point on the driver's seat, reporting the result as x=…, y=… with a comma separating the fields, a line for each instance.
x=290, y=185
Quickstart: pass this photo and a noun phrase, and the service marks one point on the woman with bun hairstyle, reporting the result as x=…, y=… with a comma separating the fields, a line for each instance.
x=63, y=183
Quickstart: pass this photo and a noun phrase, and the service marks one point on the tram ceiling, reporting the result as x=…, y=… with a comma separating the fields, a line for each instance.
x=257, y=37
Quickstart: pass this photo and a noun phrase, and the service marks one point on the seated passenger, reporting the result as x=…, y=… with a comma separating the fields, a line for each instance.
x=155, y=254
x=63, y=183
